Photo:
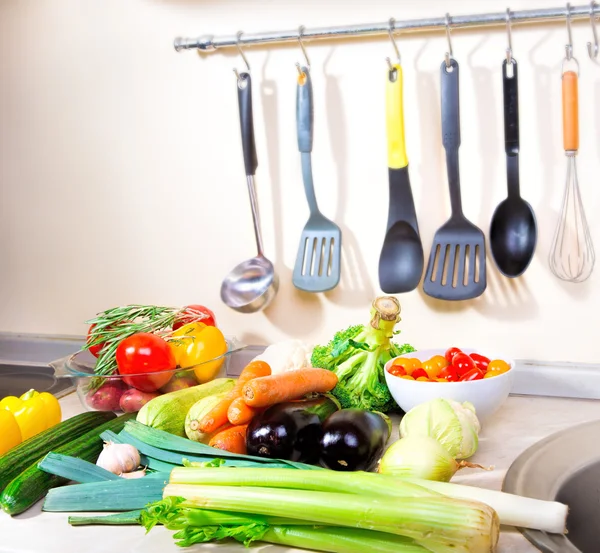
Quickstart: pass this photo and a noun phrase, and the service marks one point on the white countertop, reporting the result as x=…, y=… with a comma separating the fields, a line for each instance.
x=520, y=422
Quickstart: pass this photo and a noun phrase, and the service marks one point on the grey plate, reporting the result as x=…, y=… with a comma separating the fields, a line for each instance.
x=563, y=467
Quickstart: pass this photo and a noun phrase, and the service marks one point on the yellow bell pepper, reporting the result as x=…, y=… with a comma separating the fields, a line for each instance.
x=34, y=412
x=195, y=345
x=10, y=433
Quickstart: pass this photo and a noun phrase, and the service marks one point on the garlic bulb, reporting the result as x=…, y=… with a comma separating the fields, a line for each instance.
x=118, y=458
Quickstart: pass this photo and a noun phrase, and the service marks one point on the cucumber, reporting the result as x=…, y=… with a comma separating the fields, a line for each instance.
x=17, y=459
x=168, y=412
x=33, y=483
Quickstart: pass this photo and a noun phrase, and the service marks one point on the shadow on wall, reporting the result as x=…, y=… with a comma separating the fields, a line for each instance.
x=354, y=289
x=291, y=307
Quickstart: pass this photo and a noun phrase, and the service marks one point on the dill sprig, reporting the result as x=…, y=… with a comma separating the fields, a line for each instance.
x=118, y=323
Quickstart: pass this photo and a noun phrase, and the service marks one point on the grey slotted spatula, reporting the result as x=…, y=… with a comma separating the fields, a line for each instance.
x=456, y=268
x=317, y=267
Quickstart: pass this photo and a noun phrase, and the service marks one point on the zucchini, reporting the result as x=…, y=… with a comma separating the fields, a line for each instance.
x=17, y=459
x=168, y=412
x=33, y=483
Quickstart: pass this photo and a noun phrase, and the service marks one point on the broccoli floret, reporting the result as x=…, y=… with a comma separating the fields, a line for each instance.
x=358, y=355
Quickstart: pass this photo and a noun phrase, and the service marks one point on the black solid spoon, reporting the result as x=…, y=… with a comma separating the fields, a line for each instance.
x=513, y=231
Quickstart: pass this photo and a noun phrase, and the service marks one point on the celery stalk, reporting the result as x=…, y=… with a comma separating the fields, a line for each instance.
x=340, y=540
x=439, y=523
x=362, y=483
x=512, y=510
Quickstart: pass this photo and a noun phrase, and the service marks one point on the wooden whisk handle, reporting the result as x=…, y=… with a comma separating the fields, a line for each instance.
x=570, y=111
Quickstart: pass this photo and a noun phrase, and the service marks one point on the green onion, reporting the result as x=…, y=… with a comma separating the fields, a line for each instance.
x=164, y=440
x=448, y=524
x=117, y=495
x=127, y=517
x=74, y=469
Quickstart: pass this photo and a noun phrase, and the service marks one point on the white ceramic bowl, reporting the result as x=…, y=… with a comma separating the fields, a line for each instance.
x=486, y=395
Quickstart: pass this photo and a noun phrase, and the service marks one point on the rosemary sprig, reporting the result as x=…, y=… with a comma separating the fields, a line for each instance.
x=118, y=323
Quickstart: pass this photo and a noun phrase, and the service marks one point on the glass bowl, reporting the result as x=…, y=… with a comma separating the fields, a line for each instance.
x=128, y=393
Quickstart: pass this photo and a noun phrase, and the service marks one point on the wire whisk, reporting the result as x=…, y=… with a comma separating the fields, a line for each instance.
x=572, y=255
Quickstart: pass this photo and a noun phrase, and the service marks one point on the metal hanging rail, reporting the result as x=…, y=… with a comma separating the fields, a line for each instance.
x=210, y=43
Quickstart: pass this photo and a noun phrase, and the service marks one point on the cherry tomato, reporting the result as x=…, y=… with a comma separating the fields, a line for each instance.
x=432, y=368
x=481, y=361
x=419, y=373
x=490, y=374
x=473, y=374
x=498, y=366
x=441, y=380
x=449, y=374
x=423, y=379
x=144, y=353
x=440, y=360
x=397, y=370
x=462, y=363
x=408, y=363
x=407, y=377
x=450, y=353
x=193, y=313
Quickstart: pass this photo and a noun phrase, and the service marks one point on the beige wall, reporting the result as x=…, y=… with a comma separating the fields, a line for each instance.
x=122, y=181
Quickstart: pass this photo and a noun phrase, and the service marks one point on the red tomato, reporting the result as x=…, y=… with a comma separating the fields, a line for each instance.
x=450, y=353
x=94, y=350
x=481, y=361
x=419, y=373
x=473, y=374
x=448, y=374
x=397, y=370
x=462, y=363
x=145, y=353
x=194, y=313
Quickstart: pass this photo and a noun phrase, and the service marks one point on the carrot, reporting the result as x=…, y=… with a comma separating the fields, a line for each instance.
x=232, y=439
x=240, y=413
x=217, y=416
x=268, y=390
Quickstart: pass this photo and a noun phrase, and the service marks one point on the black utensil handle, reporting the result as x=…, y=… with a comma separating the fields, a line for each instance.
x=244, y=84
x=450, y=106
x=511, y=108
x=451, y=130
x=304, y=111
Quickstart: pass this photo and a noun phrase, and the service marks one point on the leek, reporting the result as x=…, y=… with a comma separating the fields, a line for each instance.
x=119, y=495
x=124, y=518
x=178, y=458
x=164, y=440
x=74, y=469
x=439, y=523
x=512, y=510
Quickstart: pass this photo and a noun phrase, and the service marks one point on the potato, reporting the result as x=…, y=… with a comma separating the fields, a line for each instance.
x=180, y=381
x=133, y=400
x=108, y=396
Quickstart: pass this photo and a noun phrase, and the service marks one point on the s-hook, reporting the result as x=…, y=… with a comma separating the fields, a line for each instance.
x=448, y=55
x=300, y=72
x=237, y=44
x=391, y=33
x=593, y=49
x=569, y=46
x=509, y=58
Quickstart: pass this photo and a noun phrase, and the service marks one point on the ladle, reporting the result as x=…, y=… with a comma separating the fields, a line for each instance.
x=251, y=285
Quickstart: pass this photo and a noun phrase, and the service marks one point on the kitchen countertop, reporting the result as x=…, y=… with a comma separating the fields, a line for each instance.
x=520, y=422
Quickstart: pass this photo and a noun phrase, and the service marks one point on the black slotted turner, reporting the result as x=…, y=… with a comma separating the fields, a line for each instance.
x=456, y=268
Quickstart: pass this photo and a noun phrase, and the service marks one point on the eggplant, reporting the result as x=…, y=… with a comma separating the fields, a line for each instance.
x=290, y=430
x=354, y=439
